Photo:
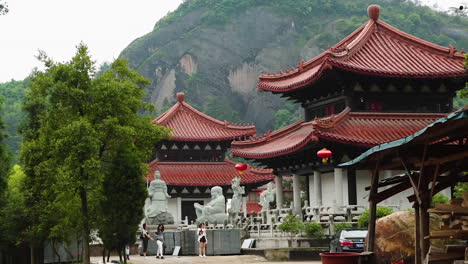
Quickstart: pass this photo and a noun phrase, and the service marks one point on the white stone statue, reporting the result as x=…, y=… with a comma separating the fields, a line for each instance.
x=236, y=200
x=215, y=210
x=156, y=208
x=267, y=197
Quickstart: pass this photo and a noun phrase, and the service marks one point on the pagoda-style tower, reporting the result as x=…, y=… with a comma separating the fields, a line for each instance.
x=193, y=159
x=376, y=85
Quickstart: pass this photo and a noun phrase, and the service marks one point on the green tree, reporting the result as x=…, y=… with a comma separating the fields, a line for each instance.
x=439, y=198
x=78, y=122
x=363, y=220
x=4, y=158
x=12, y=212
x=292, y=226
x=314, y=230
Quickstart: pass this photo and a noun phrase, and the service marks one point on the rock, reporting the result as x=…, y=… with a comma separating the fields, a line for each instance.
x=163, y=218
x=395, y=237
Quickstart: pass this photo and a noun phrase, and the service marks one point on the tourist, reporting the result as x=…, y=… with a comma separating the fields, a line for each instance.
x=145, y=237
x=127, y=252
x=160, y=241
x=202, y=240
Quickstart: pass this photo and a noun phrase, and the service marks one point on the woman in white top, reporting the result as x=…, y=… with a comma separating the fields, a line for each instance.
x=202, y=240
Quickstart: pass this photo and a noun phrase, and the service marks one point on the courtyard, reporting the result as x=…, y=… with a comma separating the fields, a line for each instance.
x=233, y=259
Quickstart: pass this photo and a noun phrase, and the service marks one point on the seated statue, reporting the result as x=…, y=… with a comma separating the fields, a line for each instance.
x=215, y=210
x=267, y=197
x=156, y=207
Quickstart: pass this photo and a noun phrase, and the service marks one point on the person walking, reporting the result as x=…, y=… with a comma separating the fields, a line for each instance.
x=202, y=240
x=127, y=252
x=145, y=236
x=160, y=241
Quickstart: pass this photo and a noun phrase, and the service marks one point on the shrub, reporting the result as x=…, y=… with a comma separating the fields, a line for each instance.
x=314, y=230
x=363, y=220
x=439, y=198
x=291, y=225
x=340, y=226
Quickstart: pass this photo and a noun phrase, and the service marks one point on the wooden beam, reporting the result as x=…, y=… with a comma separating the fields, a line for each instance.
x=393, y=191
x=434, y=178
x=443, y=184
x=442, y=160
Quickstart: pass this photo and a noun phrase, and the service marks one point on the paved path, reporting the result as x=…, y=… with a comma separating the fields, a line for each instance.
x=237, y=259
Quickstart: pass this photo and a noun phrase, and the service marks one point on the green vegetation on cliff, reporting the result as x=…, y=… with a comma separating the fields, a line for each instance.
x=214, y=50
x=419, y=20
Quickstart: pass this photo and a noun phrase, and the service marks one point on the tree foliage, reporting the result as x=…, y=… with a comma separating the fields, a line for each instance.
x=363, y=220
x=12, y=113
x=315, y=17
x=77, y=126
x=314, y=230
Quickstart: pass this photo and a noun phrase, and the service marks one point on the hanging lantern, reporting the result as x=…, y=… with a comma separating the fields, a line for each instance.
x=324, y=154
x=241, y=167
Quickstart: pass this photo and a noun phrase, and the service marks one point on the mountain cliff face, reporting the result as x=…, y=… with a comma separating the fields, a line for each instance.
x=214, y=50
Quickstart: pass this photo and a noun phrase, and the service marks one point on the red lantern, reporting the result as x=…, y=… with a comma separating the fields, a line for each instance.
x=241, y=167
x=324, y=154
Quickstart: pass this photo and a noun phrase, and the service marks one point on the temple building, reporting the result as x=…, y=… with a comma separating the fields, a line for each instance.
x=377, y=85
x=193, y=159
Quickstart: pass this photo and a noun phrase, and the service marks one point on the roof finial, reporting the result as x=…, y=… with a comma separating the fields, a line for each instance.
x=373, y=11
x=180, y=97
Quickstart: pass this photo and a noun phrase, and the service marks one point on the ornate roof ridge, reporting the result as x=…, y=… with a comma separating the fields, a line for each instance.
x=221, y=163
x=449, y=51
x=270, y=135
x=162, y=119
x=331, y=121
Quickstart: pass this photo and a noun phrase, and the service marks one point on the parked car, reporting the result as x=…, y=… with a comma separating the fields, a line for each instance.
x=348, y=240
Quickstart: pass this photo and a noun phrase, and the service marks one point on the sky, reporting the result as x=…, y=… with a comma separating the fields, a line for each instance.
x=106, y=26
x=58, y=26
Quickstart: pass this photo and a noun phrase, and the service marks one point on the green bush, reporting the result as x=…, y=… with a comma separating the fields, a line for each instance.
x=291, y=225
x=314, y=230
x=439, y=198
x=363, y=220
x=340, y=226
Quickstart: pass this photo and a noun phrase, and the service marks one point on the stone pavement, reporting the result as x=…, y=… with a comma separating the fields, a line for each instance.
x=236, y=259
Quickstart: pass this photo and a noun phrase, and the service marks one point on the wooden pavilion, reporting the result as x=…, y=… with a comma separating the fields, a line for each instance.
x=193, y=159
x=433, y=159
x=377, y=85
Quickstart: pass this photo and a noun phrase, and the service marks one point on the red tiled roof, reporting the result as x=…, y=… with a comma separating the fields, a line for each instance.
x=375, y=48
x=280, y=142
x=352, y=128
x=189, y=124
x=206, y=173
x=253, y=207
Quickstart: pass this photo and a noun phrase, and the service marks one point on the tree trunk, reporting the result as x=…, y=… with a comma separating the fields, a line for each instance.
x=84, y=215
x=108, y=254
x=120, y=254
x=103, y=254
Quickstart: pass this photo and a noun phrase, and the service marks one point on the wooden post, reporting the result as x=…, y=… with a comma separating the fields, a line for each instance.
x=417, y=240
x=424, y=223
x=373, y=208
x=424, y=194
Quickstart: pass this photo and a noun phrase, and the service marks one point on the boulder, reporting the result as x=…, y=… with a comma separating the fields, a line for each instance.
x=395, y=237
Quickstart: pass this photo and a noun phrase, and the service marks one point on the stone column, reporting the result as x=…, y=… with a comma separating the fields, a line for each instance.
x=279, y=192
x=338, y=187
x=178, y=217
x=244, y=206
x=318, y=188
x=311, y=190
x=297, y=195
